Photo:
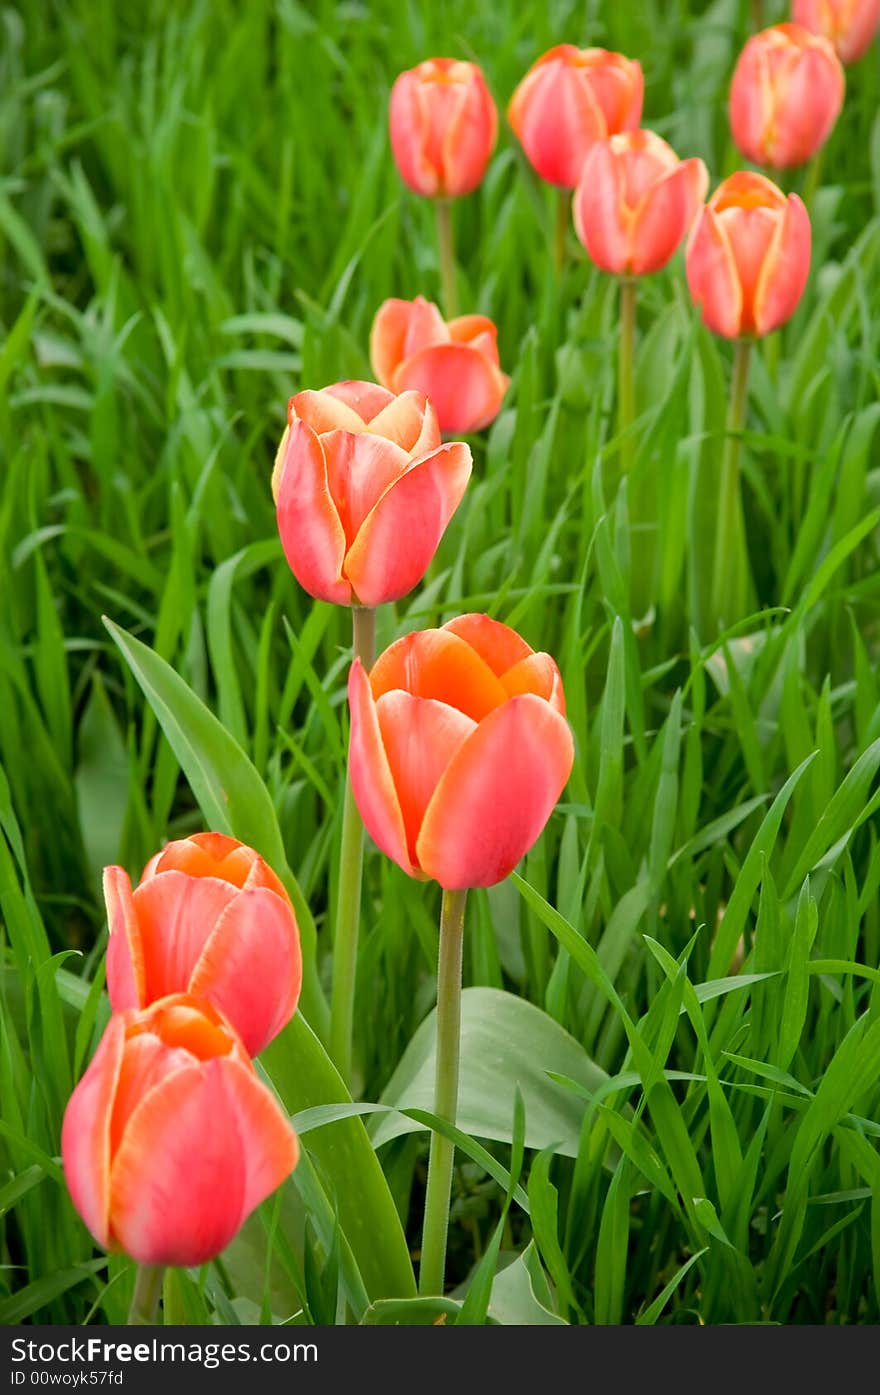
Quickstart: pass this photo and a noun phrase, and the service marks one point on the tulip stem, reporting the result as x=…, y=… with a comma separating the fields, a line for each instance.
x=348, y=897
x=560, y=230
x=446, y=243
x=626, y=378
x=811, y=180
x=730, y=579
x=432, y=1267
x=147, y=1291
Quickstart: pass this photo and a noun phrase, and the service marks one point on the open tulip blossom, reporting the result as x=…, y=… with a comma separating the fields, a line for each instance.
x=454, y=364
x=170, y=1139
x=849, y=24
x=459, y=750
x=786, y=95
x=210, y=918
x=364, y=489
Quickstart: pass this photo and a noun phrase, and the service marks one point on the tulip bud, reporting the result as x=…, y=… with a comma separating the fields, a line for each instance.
x=364, y=490
x=210, y=918
x=849, y=24
x=443, y=125
x=786, y=95
x=459, y=750
x=570, y=98
x=170, y=1140
x=748, y=256
x=636, y=201
x=455, y=365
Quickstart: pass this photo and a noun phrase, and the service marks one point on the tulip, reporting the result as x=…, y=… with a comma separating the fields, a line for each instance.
x=849, y=24
x=459, y=750
x=786, y=95
x=170, y=1140
x=455, y=365
x=210, y=918
x=443, y=125
x=636, y=201
x=570, y=98
x=748, y=256
x=364, y=489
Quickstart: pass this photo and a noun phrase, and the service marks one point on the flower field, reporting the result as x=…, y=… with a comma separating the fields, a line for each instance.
x=439, y=700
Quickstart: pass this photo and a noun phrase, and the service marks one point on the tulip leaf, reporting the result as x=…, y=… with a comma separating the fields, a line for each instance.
x=304, y=1076
x=505, y=1042
x=231, y=795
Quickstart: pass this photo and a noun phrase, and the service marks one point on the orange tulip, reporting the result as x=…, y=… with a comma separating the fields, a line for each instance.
x=364, y=490
x=210, y=918
x=786, y=95
x=170, y=1140
x=443, y=126
x=636, y=201
x=459, y=750
x=748, y=256
x=570, y=98
x=849, y=24
x=455, y=365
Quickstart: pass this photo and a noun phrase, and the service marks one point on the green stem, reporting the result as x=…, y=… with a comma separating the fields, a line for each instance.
x=560, y=229
x=433, y=1262
x=730, y=575
x=145, y=1299
x=626, y=382
x=756, y=8
x=811, y=180
x=348, y=896
x=446, y=241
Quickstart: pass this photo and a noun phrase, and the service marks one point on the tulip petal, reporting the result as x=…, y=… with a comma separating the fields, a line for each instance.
x=311, y=531
x=370, y=773
x=600, y=217
x=496, y=643
x=712, y=276
x=323, y=411
x=496, y=795
x=176, y=914
x=537, y=674
x=409, y=132
x=85, y=1133
x=271, y=1149
x=785, y=269
x=251, y=966
x=400, y=327
x=441, y=665
x=750, y=106
x=465, y=388
x=469, y=139
x=420, y=736
x=409, y=421
x=400, y=535
x=466, y=329
x=367, y=399
x=178, y=1179
x=126, y=976
x=359, y=470
x=557, y=120
x=666, y=214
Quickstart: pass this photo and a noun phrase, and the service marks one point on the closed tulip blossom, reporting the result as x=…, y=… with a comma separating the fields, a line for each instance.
x=443, y=125
x=849, y=24
x=170, y=1139
x=364, y=489
x=209, y=917
x=786, y=95
x=454, y=364
x=569, y=99
x=748, y=256
x=636, y=201
x=459, y=750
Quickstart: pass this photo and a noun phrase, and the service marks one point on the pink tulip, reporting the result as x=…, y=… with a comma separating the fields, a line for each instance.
x=786, y=95
x=636, y=201
x=170, y=1140
x=849, y=24
x=455, y=365
x=570, y=98
x=210, y=918
x=443, y=125
x=748, y=256
x=459, y=750
x=364, y=490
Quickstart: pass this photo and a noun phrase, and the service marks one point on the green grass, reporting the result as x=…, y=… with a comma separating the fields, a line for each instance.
x=678, y=998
